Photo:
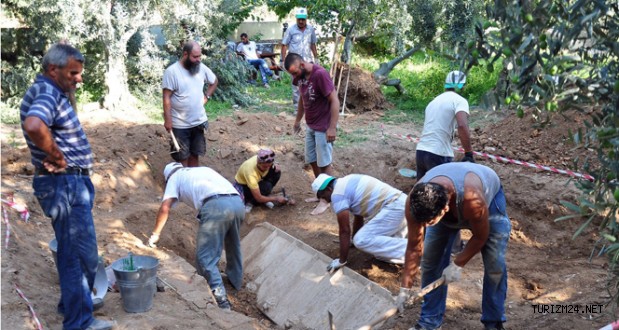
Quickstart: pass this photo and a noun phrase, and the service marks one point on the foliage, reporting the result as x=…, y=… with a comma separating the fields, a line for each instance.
x=105, y=31
x=560, y=55
x=232, y=73
x=145, y=64
x=423, y=77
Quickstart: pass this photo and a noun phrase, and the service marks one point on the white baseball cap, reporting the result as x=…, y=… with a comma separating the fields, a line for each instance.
x=321, y=182
x=167, y=171
x=302, y=13
x=455, y=79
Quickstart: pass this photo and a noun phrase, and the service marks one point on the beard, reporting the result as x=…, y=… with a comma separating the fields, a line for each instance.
x=303, y=74
x=193, y=68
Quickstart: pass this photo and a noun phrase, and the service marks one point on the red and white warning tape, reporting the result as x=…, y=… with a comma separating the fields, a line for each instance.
x=23, y=211
x=34, y=314
x=505, y=159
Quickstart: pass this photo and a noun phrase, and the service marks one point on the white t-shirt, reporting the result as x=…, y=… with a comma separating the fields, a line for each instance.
x=249, y=50
x=192, y=185
x=362, y=195
x=187, y=94
x=440, y=123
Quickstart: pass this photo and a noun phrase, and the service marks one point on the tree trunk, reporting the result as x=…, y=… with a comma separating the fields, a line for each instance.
x=116, y=81
x=347, y=51
x=381, y=75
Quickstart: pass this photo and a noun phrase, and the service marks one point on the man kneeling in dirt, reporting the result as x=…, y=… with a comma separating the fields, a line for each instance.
x=384, y=235
x=448, y=198
x=221, y=213
x=256, y=178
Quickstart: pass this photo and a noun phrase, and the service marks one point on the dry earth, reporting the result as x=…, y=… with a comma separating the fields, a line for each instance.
x=545, y=265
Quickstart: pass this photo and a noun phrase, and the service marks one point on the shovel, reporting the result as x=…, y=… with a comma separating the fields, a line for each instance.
x=176, y=146
x=417, y=297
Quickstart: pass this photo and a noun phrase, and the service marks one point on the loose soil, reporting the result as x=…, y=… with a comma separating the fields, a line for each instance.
x=546, y=266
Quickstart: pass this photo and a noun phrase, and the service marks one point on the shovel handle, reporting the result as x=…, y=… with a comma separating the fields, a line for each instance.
x=427, y=289
x=176, y=146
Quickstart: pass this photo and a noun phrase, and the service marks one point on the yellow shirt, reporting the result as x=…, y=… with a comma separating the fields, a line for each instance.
x=249, y=174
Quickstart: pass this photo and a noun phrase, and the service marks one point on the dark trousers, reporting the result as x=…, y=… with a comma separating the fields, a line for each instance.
x=266, y=186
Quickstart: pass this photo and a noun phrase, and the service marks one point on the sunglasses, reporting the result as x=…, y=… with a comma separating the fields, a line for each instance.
x=265, y=157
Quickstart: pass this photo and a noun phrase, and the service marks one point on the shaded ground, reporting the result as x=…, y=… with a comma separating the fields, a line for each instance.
x=545, y=265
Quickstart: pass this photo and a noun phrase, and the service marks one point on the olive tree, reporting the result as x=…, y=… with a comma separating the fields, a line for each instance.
x=102, y=29
x=559, y=55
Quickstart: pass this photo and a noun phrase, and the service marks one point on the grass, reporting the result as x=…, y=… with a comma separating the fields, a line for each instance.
x=423, y=76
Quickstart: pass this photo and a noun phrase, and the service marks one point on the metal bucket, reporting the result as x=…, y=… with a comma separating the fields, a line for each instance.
x=100, y=286
x=137, y=287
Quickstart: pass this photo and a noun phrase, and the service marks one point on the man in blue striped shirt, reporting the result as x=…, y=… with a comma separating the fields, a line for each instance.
x=379, y=226
x=63, y=160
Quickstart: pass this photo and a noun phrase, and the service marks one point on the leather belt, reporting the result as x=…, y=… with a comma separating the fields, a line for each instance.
x=217, y=196
x=67, y=171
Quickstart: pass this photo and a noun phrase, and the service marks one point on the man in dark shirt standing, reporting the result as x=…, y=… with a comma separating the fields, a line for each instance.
x=321, y=107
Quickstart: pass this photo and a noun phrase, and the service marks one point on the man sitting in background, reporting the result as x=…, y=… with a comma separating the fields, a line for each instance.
x=248, y=50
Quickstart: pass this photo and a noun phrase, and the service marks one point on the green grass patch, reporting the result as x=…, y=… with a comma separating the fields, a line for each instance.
x=215, y=109
x=276, y=99
x=423, y=77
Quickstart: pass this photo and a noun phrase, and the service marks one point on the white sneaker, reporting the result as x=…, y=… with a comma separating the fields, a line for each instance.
x=248, y=207
x=269, y=205
x=99, y=324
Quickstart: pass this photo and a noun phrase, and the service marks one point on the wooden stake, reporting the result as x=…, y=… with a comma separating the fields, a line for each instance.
x=346, y=90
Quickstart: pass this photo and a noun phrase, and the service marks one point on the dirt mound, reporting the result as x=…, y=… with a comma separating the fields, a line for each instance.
x=364, y=92
x=526, y=139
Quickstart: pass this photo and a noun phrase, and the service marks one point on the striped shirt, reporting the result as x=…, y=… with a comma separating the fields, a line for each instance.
x=362, y=195
x=46, y=101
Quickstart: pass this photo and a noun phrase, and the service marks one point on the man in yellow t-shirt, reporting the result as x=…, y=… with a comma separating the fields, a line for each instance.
x=256, y=178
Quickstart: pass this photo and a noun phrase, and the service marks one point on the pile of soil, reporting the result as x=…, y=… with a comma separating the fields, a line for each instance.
x=364, y=92
x=545, y=265
x=527, y=139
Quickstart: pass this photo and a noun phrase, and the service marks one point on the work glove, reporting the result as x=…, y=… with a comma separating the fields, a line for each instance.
x=402, y=298
x=335, y=265
x=468, y=157
x=152, y=241
x=452, y=273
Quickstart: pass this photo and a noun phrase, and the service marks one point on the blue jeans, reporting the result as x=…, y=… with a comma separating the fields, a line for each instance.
x=68, y=201
x=427, y=160
x=261, y=65
x=436, y=258
x=220, y=223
